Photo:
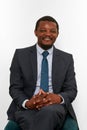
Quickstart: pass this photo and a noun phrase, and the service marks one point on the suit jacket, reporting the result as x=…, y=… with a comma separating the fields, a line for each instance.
x=24, y=76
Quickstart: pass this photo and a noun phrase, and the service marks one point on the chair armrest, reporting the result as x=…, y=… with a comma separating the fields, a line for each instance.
x=69, y=124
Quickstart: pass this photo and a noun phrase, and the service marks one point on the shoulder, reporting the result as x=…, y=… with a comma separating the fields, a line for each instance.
x=26, y=49
x=62, y=53
x=64, y=56
x=24, y=53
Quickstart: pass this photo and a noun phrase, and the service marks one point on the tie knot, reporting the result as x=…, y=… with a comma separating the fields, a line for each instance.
x=45, y=54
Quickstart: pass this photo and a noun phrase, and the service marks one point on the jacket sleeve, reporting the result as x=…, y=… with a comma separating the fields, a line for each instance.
x=16, y=82
x=69, y=88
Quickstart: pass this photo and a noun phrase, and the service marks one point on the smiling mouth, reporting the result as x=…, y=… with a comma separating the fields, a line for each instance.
x=47, y=39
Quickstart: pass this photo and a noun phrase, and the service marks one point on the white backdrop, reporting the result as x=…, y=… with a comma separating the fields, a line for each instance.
x=17, y=22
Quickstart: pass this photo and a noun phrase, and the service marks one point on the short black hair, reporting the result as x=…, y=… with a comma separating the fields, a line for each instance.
x=46, y=18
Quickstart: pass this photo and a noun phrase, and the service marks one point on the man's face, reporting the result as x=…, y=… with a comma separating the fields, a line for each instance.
x=46, y=33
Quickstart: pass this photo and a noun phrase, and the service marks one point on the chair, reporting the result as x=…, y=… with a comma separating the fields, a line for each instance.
x=69, y=124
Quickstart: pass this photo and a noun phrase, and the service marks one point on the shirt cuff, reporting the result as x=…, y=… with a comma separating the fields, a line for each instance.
x=62, y=99
x=23, y=104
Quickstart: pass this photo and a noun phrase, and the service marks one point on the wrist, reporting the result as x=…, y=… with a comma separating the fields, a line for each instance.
x=62, y=101
x=27, y=104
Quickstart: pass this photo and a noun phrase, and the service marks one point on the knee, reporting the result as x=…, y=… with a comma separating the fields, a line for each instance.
x=56, y=110
x=49, y=111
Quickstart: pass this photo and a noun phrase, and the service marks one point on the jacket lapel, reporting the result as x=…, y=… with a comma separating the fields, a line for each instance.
x=56, y=68
x=57, y=65
x=34, y=61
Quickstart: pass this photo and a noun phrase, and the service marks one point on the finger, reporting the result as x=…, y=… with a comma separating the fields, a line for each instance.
x=38, y=101
x=44, y=99
x=47, y=104
x=48, y=93
x=41, y=92
x=34, y=96
x=50, y=103
x=38, y=107
x=34, y=102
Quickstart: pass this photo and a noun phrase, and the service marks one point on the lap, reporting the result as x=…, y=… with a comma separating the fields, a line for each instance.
x=55, y=108
x=27, y=116
x=59, y=108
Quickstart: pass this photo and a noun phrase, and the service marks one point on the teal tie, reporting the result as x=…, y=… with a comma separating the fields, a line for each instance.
x=44, y=72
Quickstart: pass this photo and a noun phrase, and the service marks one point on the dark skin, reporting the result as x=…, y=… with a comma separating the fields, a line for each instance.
x=43, y=99
x=46, y=34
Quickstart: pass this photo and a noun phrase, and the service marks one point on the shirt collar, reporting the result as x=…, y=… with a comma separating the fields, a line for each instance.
x=40, y=50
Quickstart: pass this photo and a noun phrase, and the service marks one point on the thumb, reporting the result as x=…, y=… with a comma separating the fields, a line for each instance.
x=41, y=92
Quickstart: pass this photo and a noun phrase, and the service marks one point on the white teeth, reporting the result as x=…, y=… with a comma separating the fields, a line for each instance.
x=46, y=38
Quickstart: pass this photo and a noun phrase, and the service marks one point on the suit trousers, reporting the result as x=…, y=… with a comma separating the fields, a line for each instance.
x=47, y=118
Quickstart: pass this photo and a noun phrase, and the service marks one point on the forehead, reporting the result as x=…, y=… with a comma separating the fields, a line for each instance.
x=47, y=24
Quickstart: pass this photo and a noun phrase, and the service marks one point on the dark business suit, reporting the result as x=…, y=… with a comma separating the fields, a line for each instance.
x=24, y=76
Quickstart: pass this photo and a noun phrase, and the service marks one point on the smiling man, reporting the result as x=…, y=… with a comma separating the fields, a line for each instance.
x=46, y=33
x=42, y=81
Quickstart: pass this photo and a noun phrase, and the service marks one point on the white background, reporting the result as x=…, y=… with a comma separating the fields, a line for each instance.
x=17, y=22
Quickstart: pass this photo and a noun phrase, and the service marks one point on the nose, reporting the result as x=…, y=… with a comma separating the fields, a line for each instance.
x=47, y=33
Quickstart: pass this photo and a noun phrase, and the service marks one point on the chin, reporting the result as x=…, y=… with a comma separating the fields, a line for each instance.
x=46, y=47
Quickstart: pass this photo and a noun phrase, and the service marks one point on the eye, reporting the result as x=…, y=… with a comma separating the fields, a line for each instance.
x=53, y=31
x=42, y=30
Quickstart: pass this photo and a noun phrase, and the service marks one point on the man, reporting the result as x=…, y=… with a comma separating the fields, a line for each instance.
x=42, y=104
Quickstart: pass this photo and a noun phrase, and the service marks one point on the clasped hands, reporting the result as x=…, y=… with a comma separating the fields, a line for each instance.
x=43, y=99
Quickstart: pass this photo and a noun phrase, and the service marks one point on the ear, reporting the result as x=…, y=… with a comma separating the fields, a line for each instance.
x=35, y=32
x=57, y=34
